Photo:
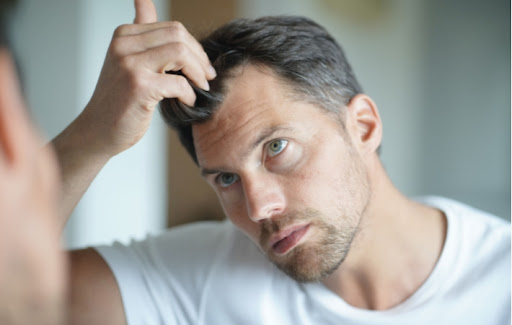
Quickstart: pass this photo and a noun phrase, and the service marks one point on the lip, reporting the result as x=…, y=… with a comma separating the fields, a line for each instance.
x=280, y=247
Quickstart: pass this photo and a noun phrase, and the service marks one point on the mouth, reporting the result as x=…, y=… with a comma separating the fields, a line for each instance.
x=284, y=241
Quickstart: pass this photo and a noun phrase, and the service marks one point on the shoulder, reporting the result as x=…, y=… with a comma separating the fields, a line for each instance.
x=475, y=262
x=475, y=232
x=471, y=222
x=165, y=275
x=477, y=246
x=180, y=249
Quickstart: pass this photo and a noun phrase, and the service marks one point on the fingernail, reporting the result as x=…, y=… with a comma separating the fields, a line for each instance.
x=206, y=86
x=213, y=72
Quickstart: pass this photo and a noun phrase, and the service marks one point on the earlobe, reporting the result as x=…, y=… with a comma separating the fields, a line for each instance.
x=366, y=126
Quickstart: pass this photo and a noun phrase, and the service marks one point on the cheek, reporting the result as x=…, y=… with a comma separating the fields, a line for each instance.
x=249, y=228
x=317, y=182
x=328, y=181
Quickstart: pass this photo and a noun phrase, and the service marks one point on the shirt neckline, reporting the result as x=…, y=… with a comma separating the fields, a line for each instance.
x=428, y=288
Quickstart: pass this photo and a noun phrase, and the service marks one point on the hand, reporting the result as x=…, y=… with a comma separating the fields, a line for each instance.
x=133, y=80
x=32, y=268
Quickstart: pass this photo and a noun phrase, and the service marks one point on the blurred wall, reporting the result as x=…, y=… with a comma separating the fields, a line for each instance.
x=466, y=103
x=61, y=45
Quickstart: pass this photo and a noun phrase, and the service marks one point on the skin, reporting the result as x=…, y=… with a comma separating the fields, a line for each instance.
x=35, y=203
x=389, y=244
x=32, y=267
x=131, y=84
x=324, y=178
x=314, y=178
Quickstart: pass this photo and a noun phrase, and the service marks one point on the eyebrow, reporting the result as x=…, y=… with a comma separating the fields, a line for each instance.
x=263, y=136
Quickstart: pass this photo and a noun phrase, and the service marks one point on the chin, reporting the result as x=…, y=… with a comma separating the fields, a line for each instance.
x=309, y=264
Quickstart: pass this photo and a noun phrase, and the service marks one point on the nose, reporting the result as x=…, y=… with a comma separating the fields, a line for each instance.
x=264, y=198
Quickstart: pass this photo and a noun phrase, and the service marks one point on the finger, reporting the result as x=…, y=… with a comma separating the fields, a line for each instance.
x=170, y=32
x=175, y=57
x=16, y=134
x=157, y=34
x=174, y=86
x=134, y=29
x=137, y=46
x=145, y=12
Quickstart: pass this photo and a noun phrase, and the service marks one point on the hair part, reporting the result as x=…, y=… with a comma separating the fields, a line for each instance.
x=299, y=51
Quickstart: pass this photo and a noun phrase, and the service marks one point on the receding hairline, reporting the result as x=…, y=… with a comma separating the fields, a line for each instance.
x=291, y=90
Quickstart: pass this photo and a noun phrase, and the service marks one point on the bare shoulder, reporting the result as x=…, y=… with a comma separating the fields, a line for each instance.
x=95, y=295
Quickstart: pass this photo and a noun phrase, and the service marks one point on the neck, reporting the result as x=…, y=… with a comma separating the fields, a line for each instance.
x=394, y=252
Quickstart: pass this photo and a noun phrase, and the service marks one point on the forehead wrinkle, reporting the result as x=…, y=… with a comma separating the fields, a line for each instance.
x=221, y=123
x=247, y=118
x=248, y=99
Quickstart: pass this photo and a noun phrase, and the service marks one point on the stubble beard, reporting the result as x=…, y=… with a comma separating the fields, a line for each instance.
x=318, y=257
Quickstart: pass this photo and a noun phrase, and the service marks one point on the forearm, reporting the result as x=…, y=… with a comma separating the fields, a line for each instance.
x=80, y=160
x=131, y=84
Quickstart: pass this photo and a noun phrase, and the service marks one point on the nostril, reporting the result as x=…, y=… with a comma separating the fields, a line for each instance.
x=275, y=211
x=266, y=211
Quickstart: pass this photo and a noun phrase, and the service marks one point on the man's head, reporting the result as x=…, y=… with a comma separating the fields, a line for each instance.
x=283, y=138
x=297, y=49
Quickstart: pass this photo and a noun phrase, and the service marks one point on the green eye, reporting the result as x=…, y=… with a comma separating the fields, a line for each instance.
x=276, y=147
x=226, y=179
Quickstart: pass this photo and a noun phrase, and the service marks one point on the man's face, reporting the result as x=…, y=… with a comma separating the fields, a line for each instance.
x=285, y=174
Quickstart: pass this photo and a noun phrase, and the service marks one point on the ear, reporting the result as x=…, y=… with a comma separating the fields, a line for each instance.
x=364, y=124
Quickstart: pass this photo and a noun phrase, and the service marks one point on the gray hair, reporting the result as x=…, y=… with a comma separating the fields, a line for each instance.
x=298, y=50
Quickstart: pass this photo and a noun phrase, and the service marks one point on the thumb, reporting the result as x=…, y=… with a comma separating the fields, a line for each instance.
x=145, y=12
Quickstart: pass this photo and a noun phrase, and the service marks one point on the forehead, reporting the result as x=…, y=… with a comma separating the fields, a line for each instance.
x=255, y=100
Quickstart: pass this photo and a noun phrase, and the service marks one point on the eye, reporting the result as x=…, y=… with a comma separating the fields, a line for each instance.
x=275, y=147
x=226, y=179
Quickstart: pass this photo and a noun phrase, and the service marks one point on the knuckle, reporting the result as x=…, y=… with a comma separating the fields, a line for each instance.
x=174, y=33
x=179, y=48
x=137, y=82
x=182, y=84
x=178, y=26
x=115, y=47
x=128, y=63
x=121, y=30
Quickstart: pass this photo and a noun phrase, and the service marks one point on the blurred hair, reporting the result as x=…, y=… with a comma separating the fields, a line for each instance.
x=296, y=49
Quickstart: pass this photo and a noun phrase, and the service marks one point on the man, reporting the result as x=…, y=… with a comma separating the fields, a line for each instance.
x=282, y=131
x=32, y=269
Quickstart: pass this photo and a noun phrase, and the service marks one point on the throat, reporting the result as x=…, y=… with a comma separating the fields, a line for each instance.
x=390, y=259
x=366, y=292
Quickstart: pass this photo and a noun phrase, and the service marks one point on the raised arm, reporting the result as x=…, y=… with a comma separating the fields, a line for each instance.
x=131, y=84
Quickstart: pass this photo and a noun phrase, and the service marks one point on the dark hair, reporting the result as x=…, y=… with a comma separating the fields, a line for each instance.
x=6, y=7
x=298, y=50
